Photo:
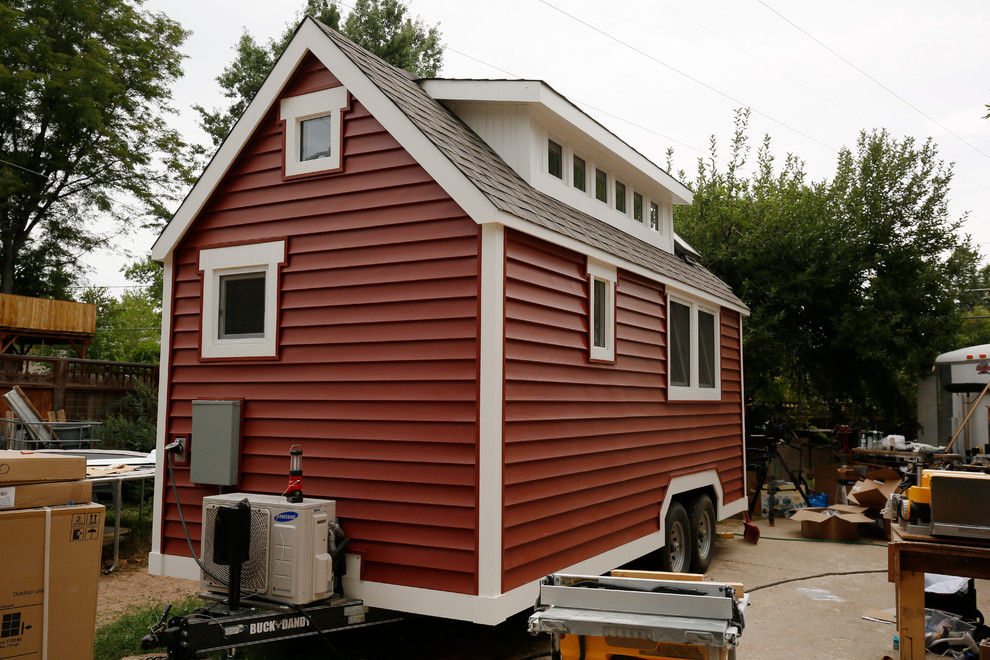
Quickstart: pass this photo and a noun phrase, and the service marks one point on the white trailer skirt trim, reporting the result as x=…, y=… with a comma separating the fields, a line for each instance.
x=488, y=610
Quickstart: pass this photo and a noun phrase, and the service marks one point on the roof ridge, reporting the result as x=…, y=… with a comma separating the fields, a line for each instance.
x=505, y=188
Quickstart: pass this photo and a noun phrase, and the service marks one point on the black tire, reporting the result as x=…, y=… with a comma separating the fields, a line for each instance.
x=675, y=556
x=702, y=515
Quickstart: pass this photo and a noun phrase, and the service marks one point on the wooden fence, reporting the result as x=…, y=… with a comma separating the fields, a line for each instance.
x=84, y=389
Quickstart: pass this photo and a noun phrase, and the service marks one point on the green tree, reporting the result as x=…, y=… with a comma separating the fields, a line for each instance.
x=128, y=329
x=380, y=26
x=84, y=94
x=149, y=274
x=852, y=283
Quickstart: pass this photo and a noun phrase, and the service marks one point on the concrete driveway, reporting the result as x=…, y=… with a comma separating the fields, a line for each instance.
x=806, y=616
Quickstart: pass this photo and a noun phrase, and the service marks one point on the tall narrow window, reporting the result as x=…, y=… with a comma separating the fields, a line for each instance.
x=580, y=175
x=620, y=197
x=654, y=216
x=600, y=297
x=601, y=311
x=555, y=159
x=679, y=350
x=706, y=350
x=637, y=207
x=601, y=186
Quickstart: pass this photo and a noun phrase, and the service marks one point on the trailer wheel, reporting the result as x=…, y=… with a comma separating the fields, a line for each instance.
x=702, y=514
x=675, y=556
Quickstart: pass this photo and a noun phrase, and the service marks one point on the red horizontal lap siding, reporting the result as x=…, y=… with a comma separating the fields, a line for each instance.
x=589, y=448
x=377, y=371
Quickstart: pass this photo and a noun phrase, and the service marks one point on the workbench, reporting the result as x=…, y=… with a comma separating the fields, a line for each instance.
x=914, y=461
x=909, y=557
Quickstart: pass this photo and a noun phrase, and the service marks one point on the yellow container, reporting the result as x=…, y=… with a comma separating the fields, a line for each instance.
x=621, y=648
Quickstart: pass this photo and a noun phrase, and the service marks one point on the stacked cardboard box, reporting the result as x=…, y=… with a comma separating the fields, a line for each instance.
x=867, y=498
x=51, y=537
x=839, y=522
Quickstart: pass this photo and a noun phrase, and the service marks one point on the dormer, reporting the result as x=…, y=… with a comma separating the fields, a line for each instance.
x=564, y=153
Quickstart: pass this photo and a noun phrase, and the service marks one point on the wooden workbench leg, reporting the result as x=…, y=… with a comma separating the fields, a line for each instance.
x=911, y=614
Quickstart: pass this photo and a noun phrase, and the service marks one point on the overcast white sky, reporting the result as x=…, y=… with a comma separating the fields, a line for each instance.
x=670, y=73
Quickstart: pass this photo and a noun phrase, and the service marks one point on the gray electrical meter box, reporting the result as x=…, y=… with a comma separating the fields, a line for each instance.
x=216, y=442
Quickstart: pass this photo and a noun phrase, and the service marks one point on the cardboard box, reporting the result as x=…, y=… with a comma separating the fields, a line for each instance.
x=827, y=478
x=56, y=493
x=784, y=502
x=875, y=488
x=48, y=608
x=25, y=467
x=838, y=522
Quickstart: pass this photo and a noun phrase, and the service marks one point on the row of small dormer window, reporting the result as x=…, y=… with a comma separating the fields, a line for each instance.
x=579, y=175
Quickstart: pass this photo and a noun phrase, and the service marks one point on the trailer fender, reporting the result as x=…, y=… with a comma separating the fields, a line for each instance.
x=696, y=481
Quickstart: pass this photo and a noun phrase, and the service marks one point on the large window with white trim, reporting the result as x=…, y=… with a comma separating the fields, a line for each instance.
x=240, y=300
x=692, y=350
x=313, y=131
x=601, y=311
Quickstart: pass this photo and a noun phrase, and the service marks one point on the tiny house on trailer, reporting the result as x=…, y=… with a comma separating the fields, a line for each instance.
x=464, y=300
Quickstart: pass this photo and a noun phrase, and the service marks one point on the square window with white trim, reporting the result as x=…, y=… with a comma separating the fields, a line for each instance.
x=601, y=311
x=240, y=300
x=314, y=131
x=692, y=351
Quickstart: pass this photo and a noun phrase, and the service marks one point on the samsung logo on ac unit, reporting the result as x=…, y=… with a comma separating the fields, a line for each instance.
x=286, y=516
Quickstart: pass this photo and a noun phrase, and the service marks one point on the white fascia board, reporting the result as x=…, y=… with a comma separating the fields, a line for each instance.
x=532, y=229
x=310, y=38
x=231, y=147
x=550, y=101
x=499, y=91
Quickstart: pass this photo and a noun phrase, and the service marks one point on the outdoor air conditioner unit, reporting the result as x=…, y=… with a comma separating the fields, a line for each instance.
x=288, y=559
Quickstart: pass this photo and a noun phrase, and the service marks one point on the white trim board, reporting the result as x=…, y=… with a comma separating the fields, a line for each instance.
x=164, y=362
x=490, y=413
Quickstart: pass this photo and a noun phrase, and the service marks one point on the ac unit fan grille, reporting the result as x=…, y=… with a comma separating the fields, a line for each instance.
x=254, y=572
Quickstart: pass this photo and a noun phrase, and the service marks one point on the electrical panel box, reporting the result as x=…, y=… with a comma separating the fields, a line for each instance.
x=216, y=442
x=289, y=559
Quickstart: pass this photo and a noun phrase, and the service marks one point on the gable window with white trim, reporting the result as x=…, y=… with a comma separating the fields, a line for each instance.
x=692, y=351
x=601, y=311
x=313, y=131
x=240, y=300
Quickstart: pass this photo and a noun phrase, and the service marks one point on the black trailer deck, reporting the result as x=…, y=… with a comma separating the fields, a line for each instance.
x=214, y=627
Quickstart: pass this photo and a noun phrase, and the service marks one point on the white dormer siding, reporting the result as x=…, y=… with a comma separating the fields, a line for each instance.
x=523, y=120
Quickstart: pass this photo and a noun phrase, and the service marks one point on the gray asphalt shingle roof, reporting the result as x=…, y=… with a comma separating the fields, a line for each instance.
x=506, y=190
